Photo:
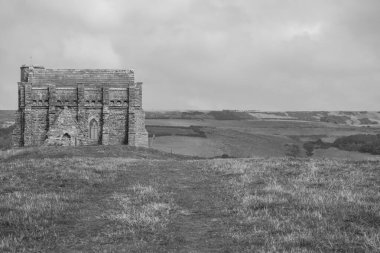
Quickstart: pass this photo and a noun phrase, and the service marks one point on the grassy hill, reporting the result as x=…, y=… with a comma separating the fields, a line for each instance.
x=122, y=199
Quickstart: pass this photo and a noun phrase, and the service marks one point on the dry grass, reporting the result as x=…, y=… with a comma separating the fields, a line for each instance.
x=29, y=216
x=114, y=204
x=141, y=208
x=303, y=206
x=78, y=204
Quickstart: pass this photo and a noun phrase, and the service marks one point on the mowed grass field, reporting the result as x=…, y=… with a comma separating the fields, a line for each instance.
x=123, y=199
x=248, y=138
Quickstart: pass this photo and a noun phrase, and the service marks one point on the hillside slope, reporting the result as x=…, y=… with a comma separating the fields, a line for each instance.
x=121, y=199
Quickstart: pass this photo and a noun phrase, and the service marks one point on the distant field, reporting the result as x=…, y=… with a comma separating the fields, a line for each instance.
x=123, y=199
x=176, y=122
x=193, y=131
x=194, y=146
x=356, y=118
x=6, y=137
x=6, y=116
x=218, y=115
x=247, y=138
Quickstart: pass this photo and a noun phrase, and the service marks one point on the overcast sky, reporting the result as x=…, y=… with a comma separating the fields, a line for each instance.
x=206, y=54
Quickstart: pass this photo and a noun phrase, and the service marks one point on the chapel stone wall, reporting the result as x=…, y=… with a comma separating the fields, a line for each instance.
x=57, y=107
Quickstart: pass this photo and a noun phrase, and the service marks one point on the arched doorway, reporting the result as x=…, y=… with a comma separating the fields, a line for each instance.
x=66, y=140
x=94, y=130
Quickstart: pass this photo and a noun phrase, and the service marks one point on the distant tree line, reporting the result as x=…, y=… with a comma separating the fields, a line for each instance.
x=365, y=143
x=230, y=115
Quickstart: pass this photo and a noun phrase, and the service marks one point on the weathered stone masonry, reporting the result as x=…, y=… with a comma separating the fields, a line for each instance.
x=79, y=107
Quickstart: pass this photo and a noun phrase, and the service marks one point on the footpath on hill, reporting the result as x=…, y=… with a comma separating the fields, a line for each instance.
x=202, y=221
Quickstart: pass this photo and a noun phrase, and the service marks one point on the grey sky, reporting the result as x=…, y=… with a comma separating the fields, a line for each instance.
x=206, y=54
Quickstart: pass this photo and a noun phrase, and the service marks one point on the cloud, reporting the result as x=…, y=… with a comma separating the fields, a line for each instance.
x=311, y=31
x=100, y=14
x=258, y=54
x=90, y=51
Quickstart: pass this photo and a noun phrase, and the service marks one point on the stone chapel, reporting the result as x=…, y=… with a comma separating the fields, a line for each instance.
x=73, y=107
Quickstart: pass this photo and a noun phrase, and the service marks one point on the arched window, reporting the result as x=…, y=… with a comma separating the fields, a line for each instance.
x=94, y=129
